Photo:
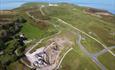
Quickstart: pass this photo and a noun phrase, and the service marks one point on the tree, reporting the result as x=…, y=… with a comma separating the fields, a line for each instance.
x=20, y=20
x=2, y=45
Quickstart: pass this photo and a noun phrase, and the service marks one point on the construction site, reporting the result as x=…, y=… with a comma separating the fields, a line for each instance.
x=48, y=57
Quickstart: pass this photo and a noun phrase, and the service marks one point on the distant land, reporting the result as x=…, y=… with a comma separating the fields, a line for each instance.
x=56, y=36
x=100, y=4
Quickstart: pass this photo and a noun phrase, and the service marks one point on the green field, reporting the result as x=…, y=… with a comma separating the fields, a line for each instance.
x=31, y=31
x=108, y=60
x=113, y=50
x=76, y=60
x=8, y=52
x=74, y=15
x=91, y=45
x=101, y=28
x=34, y=31
x=17, y=65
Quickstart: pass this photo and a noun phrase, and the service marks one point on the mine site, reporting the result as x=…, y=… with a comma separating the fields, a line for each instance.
x=49, y=56
x=53, y=35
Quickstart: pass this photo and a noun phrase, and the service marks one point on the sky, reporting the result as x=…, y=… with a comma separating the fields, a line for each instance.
x=101, y=4
x=93, y=1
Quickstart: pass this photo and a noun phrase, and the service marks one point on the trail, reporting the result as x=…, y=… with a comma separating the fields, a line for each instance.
x=63, y=58
x=93, y=58
x=103, y=51
x=41, y=10
x=86, y=35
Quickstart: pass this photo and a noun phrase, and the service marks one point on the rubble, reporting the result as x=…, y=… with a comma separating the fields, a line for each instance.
x=48, y=57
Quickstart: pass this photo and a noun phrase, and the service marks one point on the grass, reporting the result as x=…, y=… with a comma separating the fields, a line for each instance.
x=6, y=56
x=43, y=43
x=32, y=31
x=77, y=61
x=37, y=47
x=108, y=60
x=91, y=45
x=113, y=50
x=85, y=22
x=17, y=65
x=74, y=15
x=103, y=34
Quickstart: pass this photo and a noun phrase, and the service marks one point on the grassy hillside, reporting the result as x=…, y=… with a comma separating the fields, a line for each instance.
x=102, y=28
x=76, y=16
x=38, y=26
x=32, y=29
x=75, y=61
x=109, y=61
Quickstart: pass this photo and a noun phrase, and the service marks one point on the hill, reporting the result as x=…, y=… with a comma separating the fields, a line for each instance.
x=86, y=35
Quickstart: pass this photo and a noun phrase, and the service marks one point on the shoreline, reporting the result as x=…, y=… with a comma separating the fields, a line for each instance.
x=13, y=5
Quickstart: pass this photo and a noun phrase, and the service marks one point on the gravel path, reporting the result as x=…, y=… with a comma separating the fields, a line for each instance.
x=86, y=35
x=93, y=57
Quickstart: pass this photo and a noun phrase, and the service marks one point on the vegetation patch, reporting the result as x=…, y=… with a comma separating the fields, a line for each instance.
x=76, y=61
x=108, y=60
x=91, y=45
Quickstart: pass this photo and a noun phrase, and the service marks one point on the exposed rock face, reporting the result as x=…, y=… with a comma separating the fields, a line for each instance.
x=98, y=12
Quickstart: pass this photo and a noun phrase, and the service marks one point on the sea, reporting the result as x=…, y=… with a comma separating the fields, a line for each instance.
x=108, y=5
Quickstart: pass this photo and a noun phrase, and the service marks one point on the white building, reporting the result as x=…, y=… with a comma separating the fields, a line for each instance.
x=53, y=4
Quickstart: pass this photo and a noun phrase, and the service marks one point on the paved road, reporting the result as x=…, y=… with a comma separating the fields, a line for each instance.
x=93, y=58
x=106, y=48
x=86, y=35
x=103, y=51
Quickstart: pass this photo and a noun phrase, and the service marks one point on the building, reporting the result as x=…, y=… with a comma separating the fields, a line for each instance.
x=21, y=40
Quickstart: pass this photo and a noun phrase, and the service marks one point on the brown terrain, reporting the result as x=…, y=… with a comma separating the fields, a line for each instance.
x=7, y=12
x=7, y=17
x=98, y=12
x=10, y=23
x=49, y=57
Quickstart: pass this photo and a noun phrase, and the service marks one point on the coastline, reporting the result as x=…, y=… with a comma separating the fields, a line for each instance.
x=13, y=5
